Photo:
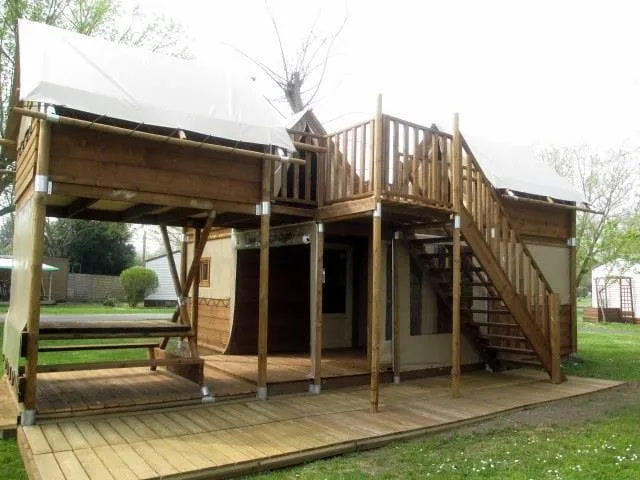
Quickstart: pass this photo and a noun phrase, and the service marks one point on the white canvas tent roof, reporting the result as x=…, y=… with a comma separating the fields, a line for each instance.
x=6, y=263
x=516, y=168
x=65, y=68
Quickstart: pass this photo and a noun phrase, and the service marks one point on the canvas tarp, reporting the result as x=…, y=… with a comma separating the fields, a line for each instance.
x=517, y=168
x=65, y=68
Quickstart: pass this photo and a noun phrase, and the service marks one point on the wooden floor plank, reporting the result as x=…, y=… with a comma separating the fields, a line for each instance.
x=93, y=466
x=238, y=437
x=135, y=462
x=152, y=458
x=48, y=467
x=71, y=466
x=116, y=466
x=37, y=441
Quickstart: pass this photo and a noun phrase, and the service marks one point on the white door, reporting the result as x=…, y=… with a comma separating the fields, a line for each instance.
x=337, y=324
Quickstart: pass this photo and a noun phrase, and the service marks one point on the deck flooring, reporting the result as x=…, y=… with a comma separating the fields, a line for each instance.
x=229, y=438
x=8, y=411
x=62, y=394
x=294, y=367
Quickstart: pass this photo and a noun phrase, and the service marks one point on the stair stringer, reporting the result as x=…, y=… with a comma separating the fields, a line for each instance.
x=505, y=289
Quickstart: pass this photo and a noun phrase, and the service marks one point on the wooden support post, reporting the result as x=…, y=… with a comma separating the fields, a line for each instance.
x=376, y=286
x=35, y=273
x=195, y=292
x=573, y=292
x=316, y=348
x=376, y=264
x=263, y=288
x=183, y=256
x=555, y=339
x=396, y=305
x=456, y=274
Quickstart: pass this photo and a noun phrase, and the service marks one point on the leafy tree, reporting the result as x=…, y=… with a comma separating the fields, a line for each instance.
x=138, y=282
x=608, y=183
x=91, y=246
x=115, y=20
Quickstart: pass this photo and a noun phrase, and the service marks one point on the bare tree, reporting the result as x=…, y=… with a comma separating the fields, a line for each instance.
x=299, y=76
x=608, y=183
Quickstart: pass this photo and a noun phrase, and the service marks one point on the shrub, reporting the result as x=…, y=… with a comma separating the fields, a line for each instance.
x=138, y=282
x=109, y=301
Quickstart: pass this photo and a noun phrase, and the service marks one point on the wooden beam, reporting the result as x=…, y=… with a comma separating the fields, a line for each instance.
x=347, y=209
x=100, y=127
x=79, y=205
x=177, y=215
x=316, y=348
x=160, y=199
x=557, y=376
x=456, y=263
x=195, y=293
x=263, y=288
x=35, y=272
x=374, y=332
x=138, y=211
x=376, y=263
x=395, y=245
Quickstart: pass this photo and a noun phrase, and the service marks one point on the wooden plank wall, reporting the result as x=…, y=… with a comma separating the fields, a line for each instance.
x=547, y=225
x=214, y=322
x=26, y=166
x=289, y=303
x=86, y=157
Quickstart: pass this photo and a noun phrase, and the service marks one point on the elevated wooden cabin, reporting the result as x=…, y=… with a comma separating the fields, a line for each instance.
x=382, y=250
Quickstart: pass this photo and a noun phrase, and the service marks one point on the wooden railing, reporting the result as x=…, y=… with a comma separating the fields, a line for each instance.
x=299, y=183
x=416, y=162
x=484, y=206
x=348, y=169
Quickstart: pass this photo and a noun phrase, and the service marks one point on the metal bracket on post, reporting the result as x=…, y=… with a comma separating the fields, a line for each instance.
x=43, y=185
x=261, y=394
x=263, y=208
x=315, y=389
x=320, y=227
x=378, y=210
x=456, y=222
x=571, y=242
x=27, y=418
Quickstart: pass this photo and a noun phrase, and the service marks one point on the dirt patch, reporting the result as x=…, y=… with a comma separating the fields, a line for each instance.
x=569, y=411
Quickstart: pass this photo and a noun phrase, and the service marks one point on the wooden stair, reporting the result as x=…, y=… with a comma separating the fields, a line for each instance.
x=506, y=302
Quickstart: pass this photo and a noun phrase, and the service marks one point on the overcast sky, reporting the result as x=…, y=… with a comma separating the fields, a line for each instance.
x=519, y=72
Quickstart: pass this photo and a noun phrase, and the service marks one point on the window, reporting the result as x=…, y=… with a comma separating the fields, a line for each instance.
x=205, y=264
x=415, y=299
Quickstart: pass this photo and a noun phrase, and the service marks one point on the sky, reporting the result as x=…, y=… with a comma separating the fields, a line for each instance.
x=528, y=73
x=534, y=73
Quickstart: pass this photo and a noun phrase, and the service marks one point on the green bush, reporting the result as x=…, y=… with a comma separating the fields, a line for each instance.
x=138, y=282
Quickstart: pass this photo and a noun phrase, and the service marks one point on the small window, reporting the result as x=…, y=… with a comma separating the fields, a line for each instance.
x=205, y=263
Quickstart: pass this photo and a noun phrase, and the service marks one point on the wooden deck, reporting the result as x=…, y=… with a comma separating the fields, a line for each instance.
x=231, y=438
x=283, y=368
x=75, y=393
x=8, y=411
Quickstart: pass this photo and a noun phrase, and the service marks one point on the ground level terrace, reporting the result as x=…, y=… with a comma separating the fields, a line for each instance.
x=228, y=438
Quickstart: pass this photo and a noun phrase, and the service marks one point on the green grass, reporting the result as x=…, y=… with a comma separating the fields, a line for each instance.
x=93, y=308
x=607, y=447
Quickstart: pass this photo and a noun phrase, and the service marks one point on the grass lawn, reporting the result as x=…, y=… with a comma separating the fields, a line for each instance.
x=607, y=447
x=93, y=308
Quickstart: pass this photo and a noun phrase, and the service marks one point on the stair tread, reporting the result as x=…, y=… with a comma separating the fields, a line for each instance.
x=506, y=337
x=510, y=349
x=493, y=324
x=493, y=311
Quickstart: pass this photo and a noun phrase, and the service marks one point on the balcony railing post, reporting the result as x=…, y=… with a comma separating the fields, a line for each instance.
x=456, y=166
x=377, y=152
